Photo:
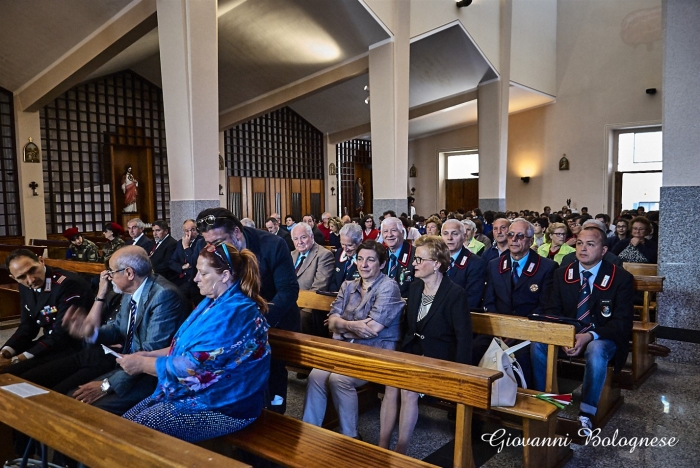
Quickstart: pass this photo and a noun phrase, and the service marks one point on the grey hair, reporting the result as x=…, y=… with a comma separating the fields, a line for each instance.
x=139, y=224
x=530, y=228
x=135, y=258
x=456, y=221
x=395, y=221
x=353, y=231
x=307, y=228
x=469, y=223
x=247, y=222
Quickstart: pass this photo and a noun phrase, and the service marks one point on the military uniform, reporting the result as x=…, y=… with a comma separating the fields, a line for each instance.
x=85, y=252
x=111, y=247
x=44, y=311
x=345, y=270
x=469, y=271
x=403, y=272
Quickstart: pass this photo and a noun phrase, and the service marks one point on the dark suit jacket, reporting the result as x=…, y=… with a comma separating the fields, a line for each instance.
x=469, y=272
x=318, y=236
x=612, y=295
x=278, y=279
x=492, y=252
x=160, y=259
x=284, y=234
x=608, y=257
x=160, y=312
x=530, y=293
x=144, y=242
x=46, y=311
x=404, y=272
x=446, y=332
x=189, y=256
x=344, y=270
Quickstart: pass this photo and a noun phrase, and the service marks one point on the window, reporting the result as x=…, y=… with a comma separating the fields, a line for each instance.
x=639, y=165
x=639, y=151
x=463, y=166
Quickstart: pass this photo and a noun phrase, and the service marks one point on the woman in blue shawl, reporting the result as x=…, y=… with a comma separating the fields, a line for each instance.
x=212, y=379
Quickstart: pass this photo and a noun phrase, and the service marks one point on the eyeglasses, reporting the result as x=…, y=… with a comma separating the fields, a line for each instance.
x=419, y=260
x=559, y=234
x=209, y=220
x=214, y=248
x=519, y=236
x=113, y=272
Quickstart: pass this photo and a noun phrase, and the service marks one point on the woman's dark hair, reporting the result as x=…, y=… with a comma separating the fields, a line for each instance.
x=370, y=217
x=378, y=248
x=477, y=212
x=243, y=266
x=542, y=221
x=290, y=216
x=489, y=216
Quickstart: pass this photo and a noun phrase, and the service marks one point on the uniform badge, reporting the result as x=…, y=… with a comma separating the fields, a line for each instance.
x=463, y=262
x=606, y=308
x=401, y=277
x=47, y=286
x=534, y=288
x=605, y=281
x=529, y=270
x=505, y=263
x=60, y=279
x=404, y=258
x=571, y=274
x=337, y=270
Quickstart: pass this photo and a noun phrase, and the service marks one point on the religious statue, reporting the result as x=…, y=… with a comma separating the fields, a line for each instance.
x=359, y=195
x=130, y=189
x=564, y=164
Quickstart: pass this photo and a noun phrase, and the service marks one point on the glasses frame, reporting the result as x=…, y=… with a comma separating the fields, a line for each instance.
x=518, y=236
x=418, y=260
x=209, y=220
x=214, y=248
x=111, y=273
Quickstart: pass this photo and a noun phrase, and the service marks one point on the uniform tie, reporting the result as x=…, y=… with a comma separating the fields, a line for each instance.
x=516, y=276
x=583, y=311
x=392, y=265
x=130, y=330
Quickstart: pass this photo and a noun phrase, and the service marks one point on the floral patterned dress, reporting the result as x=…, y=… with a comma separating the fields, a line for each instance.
x=214, y=378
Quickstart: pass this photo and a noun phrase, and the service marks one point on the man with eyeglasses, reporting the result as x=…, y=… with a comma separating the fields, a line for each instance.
x=278, y=281
x=517, y=283
x=184, y=261
x=46, y=295
x=152, y=309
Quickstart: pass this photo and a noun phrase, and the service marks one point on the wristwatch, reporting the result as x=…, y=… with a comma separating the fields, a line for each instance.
x=105, y=386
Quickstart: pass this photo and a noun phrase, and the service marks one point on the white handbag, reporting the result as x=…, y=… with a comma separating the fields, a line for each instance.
x=500, y=357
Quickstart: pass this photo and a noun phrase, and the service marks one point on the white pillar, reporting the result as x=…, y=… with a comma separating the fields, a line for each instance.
x=188, y=37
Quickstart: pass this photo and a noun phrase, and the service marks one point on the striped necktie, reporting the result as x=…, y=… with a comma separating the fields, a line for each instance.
x=583, y=311
x=130, y=330
x=516, y=276
x=392, y=265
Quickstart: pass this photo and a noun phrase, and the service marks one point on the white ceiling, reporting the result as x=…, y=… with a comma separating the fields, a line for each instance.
x=265, y=45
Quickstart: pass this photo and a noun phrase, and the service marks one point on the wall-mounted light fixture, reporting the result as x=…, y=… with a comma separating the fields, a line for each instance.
x=463, y=3
x=367, y=98
x=332, y=191
x=525, y=179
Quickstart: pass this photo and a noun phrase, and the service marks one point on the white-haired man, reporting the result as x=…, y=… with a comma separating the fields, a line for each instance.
x=467, y=269
x=401, y=252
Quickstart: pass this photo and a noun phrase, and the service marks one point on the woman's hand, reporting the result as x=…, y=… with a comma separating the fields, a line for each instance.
x=635, y=241
x=362, y=329
x=132, y=363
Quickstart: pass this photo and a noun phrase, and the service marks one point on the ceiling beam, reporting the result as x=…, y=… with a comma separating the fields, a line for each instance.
x=441, y=104
x=290, y=93
x=125, y=28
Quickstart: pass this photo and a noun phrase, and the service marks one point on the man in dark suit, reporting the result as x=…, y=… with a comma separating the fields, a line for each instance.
x=400, y=263
x=601, y=296
x=278, y=280
x=467, y=270
x=135, y=227
x=46, y=295
x=345, y=258
x=163, y=250
x=517, y=283
x=273, y=227
x=318, y=235
x=500, y=240
x=152, y=310
x=608, y=257
x=184, y=261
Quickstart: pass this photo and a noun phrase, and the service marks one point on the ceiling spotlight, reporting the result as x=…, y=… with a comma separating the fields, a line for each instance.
x=463, y=3
x=367, y=100
x=367, y=88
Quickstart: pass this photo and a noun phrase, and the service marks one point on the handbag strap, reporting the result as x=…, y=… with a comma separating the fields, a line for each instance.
x=517, y=347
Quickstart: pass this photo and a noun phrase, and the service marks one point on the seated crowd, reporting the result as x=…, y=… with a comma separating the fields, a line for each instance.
x=187, y=319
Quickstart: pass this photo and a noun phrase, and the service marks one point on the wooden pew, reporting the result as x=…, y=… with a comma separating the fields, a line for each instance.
x=294, y=443
x=98, y=438
x=76, y=267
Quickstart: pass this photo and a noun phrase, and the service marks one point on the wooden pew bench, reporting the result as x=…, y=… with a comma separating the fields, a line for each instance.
x=297, y=444
x=536, y=418
x=98, y=438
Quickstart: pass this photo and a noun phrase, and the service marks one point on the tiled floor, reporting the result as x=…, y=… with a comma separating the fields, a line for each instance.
x=642, y=415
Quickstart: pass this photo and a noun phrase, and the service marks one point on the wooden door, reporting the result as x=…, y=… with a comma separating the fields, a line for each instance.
x=363, y=171
x=461, y=193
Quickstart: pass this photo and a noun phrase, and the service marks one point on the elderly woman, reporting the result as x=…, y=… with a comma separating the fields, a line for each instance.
x=637, y=249
x=367, y=311
x=433, y=226
x=369, y=228
x=212, y=379
x=438, y=326
x=470, y=242
x=555, y=247
x=335, y=225
x=112, y=232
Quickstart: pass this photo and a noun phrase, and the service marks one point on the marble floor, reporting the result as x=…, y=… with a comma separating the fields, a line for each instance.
x=667, y=405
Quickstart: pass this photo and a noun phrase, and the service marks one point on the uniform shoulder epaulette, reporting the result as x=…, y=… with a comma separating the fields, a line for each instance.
x=58, y=279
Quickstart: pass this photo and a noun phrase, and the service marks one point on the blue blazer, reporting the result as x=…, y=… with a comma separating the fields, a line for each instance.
x=404, y=273
x=160, y=312
x=279, y=285
x=343, y=271
x=469, y=272
x=529, y=295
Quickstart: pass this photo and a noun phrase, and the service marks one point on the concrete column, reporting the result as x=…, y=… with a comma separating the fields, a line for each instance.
x=329, y=156
x=27, y=124
x=389, y=66
x=188, y=37
x=680, y=193
x=493, y=123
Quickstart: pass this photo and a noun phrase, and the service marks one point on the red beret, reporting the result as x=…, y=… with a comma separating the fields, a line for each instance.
x=116, y=228
x=71, y=233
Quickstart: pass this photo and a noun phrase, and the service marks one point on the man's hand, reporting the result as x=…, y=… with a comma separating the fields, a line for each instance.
x=187, y=239
x=77, y=323
x=582, y=340
x=89, y=393
x=131, y=363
